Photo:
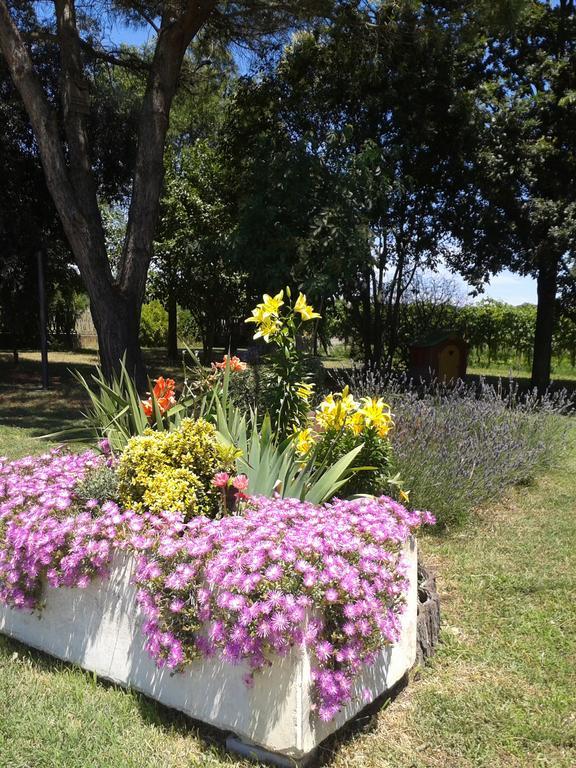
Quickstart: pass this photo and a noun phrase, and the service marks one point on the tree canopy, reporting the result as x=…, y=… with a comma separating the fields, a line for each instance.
x=366, y=143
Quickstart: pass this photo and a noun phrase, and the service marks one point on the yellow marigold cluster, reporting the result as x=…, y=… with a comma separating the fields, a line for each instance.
x=340, y=411
x=172, y=471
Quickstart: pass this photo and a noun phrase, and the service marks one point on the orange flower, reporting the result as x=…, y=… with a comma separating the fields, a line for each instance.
x=236, y=365
x=163, y=393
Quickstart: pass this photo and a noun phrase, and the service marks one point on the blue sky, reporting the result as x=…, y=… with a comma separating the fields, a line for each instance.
x=512, y=288
x=120, y=34
x=507, y=287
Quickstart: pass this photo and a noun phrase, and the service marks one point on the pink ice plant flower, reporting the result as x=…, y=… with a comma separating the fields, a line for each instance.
x=47, y=535
x=248, y=586
x=346, y=555
x=221, y=480
x=240, y=482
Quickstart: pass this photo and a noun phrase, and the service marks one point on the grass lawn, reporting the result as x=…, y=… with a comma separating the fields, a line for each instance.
x=560, y=376
x=499, y=693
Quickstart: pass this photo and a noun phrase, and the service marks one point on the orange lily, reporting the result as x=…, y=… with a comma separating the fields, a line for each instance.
x=163, y=393
x=236, y=365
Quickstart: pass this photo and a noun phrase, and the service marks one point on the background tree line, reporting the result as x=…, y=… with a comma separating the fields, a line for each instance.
x=366, y=143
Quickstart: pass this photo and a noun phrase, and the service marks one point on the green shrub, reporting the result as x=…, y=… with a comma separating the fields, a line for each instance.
x=375, y=456
x=101, y=483
x=153, y=325
x=187, y=326
x=173, y=471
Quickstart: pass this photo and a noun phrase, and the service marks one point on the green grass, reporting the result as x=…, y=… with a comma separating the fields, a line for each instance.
x=499, y=693
x=560, y=375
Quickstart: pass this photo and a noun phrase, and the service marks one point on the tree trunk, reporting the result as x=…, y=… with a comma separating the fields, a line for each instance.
x=428, y=621
x=117, y=321
x=172, y=328
x=69, y=171
x=547, y=285
x=208, y=338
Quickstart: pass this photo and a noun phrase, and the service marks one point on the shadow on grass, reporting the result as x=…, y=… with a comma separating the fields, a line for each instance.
x=152, y=712
x=24, y=404
x=159, y=716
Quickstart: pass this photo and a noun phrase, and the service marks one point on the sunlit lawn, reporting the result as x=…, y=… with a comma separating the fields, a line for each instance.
x=559, y=375
x=499, y=694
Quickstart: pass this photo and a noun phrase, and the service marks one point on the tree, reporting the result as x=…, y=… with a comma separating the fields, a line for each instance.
x=516, y=200
x=193, y=264
x=190, y=265
x=28, y=224
x=67, y=159
x=362, y=113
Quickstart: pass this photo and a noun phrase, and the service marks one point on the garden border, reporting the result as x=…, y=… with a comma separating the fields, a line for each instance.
x=98, y=628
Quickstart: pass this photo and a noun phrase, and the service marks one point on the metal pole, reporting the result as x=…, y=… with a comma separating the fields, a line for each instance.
x=43, y=319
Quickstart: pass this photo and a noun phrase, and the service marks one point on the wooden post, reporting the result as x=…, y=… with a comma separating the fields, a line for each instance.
x=42, y=318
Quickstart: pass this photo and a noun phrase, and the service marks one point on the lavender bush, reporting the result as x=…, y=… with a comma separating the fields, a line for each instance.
x=458, y=447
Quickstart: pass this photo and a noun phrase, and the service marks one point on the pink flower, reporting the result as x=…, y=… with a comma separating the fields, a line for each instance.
x=247, y=585
x=273, y=572
x=323, y=650
x=177, y=605
x=240, y=482
x=221, y=480
x=104, y=446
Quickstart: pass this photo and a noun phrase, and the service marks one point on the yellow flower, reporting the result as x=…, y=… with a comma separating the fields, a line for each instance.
x=334, y=410
x=356, y=423
x=347, y=402
x=405, y=496
x=376, y=414
x=272, y=304
x=269, y=327
x=304, y=390
x=306, y=310
x=265, y=315
x=304, y=441
x=258, y=315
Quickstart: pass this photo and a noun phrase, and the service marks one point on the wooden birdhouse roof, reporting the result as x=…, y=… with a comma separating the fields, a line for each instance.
x=435, y=338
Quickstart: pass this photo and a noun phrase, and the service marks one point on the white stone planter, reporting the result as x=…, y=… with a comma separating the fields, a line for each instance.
x=98, y=628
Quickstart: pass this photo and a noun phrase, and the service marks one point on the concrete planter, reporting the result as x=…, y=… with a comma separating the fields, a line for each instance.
x=98, y=628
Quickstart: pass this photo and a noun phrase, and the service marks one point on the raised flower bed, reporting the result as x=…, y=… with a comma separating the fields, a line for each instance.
x=277, y=625
x=100, y=629
x=205, y=558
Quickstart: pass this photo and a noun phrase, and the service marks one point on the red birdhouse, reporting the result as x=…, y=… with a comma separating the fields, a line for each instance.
x=442, y=354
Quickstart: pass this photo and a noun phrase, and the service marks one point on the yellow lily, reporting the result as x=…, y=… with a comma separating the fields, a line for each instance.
x=258, y=315
x=303, y=441
x=268, y=327
x=377, y=414
x=304, y=390
x=306, y=310
x=272, y=304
